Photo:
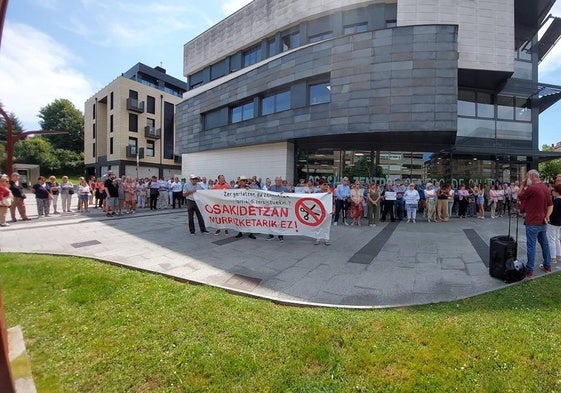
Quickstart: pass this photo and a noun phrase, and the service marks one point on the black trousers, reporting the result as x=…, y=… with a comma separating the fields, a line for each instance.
x=387, y=207
x=193, y=209
x=154, y=198
x=177, y=196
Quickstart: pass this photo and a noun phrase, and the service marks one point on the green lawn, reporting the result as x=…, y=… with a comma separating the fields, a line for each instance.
x=92, y=327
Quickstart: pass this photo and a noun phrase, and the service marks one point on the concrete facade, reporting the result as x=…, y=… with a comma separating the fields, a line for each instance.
x=485, y=28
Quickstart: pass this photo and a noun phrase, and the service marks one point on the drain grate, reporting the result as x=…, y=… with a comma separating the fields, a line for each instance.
x=85, y=244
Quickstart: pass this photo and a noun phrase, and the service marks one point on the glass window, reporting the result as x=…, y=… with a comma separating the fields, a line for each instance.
x=356, y=28
x=93, y=129
x=111, y=123
x=151, y=104
x=391, y=23
x=476, y=128
x=514, y=130
x=133, y=122
x=272, y=47
x=466, y=103
x=275, y=103
x=110, y=145
x=505, y=108
x=320, y=93
x=93, y=149
x=214, y=119
x=290, y=41
x=111, y=101
x=523, y=112
x=320, y=37
x=150, y=122
x=150, y=148
x=133, y=145
x=485, y=107
x=252, y=56
x=242, y=112
x=268, y=105
x=522, y=70
x=133, y=94
x=283, y=101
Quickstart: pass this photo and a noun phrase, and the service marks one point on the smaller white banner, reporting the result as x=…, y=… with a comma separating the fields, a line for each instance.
x=259, y=211
x=390, y=196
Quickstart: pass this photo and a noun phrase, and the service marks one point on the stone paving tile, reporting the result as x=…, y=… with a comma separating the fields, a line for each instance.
x=421, y=263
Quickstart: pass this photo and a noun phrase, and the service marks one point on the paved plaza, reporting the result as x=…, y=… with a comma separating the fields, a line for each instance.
x=390, y=265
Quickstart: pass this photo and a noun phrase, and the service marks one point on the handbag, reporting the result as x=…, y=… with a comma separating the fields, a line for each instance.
x=6, y=202
x=70, y=191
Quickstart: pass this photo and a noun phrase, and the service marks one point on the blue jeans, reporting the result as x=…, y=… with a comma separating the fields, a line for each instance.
x=538, y=232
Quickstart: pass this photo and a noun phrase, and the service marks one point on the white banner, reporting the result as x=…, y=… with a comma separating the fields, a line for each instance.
x=267, y=212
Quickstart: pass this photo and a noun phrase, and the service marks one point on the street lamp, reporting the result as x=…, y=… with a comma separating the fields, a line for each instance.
x=12, y=139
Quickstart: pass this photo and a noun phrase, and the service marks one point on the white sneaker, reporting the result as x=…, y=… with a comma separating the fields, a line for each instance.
x=346, y=223
x=335, y=223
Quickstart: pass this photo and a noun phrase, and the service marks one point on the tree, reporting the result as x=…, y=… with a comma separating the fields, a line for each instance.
x=38, y=151
x=62, y=115
x=70, y=162
x=362, y=168
x=549, y=169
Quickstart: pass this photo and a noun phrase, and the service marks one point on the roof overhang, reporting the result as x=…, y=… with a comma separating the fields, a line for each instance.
x=482, y=79
x=397, y=141
x=549, y=37
x=542, y=95
x=529, y=16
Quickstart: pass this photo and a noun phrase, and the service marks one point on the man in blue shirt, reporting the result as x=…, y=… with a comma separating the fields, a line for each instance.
x=342, y=200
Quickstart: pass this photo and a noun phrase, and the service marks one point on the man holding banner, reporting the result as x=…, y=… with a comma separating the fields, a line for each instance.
x=189, y=189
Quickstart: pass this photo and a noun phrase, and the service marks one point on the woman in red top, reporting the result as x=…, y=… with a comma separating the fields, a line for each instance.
x=5, y=199
x=99, y=190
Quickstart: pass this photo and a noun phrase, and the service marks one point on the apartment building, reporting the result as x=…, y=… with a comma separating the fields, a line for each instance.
x=130, y=125
x=306, y=88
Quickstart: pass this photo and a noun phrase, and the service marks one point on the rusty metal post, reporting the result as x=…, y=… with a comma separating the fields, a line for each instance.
x=6, y=380
x=3, y=9
x=9, y=142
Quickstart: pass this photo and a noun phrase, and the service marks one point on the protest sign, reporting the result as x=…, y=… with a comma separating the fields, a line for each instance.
x=259, y=211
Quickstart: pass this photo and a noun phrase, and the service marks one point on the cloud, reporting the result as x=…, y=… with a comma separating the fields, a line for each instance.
x=34, y=71
x=130, y=24
x=231, y=6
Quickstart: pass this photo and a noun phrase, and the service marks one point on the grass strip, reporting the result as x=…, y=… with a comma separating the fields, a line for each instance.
x=92, y=327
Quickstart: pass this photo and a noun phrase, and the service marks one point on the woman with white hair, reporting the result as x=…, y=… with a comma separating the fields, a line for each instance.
x=430, y=196
x=411, y=198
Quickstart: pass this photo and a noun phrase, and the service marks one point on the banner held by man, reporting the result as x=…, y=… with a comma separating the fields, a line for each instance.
x=259, y=211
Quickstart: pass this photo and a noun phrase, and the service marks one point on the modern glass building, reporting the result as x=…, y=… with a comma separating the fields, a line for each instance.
x=421, y=89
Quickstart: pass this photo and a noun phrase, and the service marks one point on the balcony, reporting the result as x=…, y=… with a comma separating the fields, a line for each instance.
x=152, y=132
x=131, y=151
x=135, y=105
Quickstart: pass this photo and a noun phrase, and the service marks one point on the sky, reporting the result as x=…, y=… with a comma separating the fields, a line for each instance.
x=73, y=48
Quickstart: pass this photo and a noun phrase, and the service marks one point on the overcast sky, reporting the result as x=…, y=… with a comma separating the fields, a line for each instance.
x=72, y=48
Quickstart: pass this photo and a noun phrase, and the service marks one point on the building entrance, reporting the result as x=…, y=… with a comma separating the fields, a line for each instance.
x=418, y=167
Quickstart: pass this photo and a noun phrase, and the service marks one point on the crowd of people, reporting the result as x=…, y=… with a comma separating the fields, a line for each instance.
x=353, y=202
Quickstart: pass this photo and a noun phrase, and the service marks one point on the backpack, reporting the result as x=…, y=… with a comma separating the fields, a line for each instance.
x=514, y=270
